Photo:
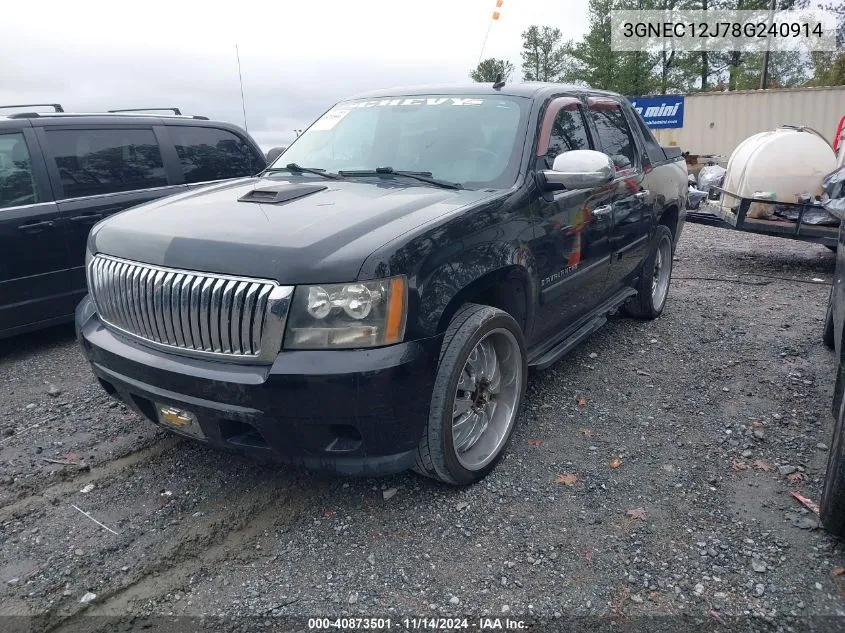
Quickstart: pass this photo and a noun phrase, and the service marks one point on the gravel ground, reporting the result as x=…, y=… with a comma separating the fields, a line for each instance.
x=648, y=475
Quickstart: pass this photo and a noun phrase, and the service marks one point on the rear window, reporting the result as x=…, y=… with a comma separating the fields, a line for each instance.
x=213, y=154
x=98, y=161
x=652, y=147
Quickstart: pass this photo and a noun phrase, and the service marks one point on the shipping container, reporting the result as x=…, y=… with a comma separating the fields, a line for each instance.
x=716, y=122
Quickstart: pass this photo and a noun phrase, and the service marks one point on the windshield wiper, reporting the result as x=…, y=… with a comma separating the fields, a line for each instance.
x=422, y=176
x=297, y=169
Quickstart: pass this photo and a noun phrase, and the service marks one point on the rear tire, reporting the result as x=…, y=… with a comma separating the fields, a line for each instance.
x=832, y=505
x=480, y=383
x=656, y=275
x=828, y=332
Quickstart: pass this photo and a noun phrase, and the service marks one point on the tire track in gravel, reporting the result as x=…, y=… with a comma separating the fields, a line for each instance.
x=73, y=481
x=207, y=545
x=177, y=509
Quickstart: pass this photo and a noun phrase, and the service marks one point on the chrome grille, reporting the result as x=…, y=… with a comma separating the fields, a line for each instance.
x=199, y=313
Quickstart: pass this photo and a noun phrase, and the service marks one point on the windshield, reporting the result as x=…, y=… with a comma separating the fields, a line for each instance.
x=471, y=140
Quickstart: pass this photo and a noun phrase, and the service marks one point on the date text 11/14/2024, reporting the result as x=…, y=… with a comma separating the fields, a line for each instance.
x=416, y=624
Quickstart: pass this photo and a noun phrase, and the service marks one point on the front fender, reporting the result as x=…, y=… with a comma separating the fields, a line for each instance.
x=445, y=263
x=496, y=267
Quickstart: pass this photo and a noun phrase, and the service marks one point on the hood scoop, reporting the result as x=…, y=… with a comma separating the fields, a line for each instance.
x=277, y=194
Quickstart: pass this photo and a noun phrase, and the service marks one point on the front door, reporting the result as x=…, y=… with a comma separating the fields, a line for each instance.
x=572, y=242
x=34, y=259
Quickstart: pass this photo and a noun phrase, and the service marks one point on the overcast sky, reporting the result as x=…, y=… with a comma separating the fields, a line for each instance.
x=297, y=58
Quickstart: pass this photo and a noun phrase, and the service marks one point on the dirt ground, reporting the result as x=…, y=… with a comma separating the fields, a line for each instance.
x=680, y=439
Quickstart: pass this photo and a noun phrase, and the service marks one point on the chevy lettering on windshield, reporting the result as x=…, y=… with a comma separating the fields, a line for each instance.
x=417, y=101
x=335, y=115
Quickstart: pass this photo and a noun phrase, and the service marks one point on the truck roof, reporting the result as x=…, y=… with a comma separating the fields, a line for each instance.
x=529, y=89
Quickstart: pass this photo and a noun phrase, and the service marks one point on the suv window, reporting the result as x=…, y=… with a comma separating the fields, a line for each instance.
x=17, y=186
x=98, y=161
x=213, y=154
x=652, y=147
x=614, y=133
x=568, y=132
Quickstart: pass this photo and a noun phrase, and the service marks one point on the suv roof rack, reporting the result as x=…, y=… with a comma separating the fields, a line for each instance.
x=57, y=107
x=175, y=111
x=35, y=115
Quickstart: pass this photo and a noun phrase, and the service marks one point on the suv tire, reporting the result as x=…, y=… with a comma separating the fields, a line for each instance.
x=656, y=275
x=832, y=505
x=480, y=383
x=827, y=333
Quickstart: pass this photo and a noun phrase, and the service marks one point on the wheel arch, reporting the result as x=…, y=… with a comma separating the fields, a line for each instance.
x=670, y=218
x=507, y=288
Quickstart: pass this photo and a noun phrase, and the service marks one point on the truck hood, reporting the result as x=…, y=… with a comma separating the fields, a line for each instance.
x=322, y=236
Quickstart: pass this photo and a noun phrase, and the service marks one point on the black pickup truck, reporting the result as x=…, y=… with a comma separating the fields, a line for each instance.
x=373, y=300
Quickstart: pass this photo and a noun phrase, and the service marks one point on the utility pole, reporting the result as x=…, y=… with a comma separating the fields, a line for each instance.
x=764, y=75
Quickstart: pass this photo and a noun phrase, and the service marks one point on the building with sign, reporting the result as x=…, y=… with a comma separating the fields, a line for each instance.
x=716, y=122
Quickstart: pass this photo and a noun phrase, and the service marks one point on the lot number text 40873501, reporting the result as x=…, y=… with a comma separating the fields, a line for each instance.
x=415, y=624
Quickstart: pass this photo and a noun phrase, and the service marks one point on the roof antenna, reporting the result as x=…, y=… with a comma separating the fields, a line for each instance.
x=241, y=81
x=499, y=82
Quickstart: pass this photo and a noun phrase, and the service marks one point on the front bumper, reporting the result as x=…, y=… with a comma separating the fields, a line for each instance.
x=351, y=412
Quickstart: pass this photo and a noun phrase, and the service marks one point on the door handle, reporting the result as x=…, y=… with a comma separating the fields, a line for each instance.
x=642, y=195
x=602, y=212
x=36, y=227
x=87, y=218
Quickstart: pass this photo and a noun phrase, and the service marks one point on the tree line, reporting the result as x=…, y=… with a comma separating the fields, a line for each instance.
x=547, y=57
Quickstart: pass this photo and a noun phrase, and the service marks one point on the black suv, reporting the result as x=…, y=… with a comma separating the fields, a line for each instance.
x=61, y=173
x=373, y=300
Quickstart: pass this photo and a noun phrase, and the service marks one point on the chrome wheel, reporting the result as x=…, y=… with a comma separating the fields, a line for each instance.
x=661, y=273
x=486, y=398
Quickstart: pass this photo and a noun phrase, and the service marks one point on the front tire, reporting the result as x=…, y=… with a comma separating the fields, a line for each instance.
x=653, y=286
x=480, y=383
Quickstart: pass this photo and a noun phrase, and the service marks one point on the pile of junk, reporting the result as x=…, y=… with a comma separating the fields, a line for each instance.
x=788, y=182
x=707, y=184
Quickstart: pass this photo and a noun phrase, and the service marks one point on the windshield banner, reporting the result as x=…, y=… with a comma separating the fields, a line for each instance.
x=416, y=101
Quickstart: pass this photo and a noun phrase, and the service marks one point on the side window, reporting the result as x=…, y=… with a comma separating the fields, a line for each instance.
x=212, y=154
x=567, y=130
x=652, y=147
x=17, y=186
x=98, y=161
x=614, y=134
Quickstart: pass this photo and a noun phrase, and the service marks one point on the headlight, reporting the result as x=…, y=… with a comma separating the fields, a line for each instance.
x=360, y=314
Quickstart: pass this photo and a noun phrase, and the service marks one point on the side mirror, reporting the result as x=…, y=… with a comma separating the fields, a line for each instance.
x=580, y=169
